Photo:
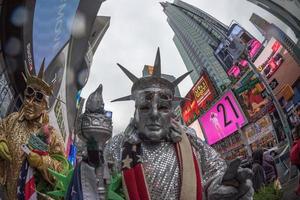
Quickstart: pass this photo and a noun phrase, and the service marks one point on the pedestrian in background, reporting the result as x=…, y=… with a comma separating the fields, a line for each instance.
x=270, y=168
x=295, y=153
x=295, y=117
x=259, y=176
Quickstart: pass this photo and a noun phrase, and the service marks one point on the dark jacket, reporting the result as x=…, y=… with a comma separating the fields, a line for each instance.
x=270, y=168
x=259, y=176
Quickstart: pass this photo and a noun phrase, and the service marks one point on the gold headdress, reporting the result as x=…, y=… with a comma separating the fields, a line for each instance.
x=37, y=81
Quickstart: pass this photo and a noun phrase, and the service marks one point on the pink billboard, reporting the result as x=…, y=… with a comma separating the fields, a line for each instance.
x=222, y=119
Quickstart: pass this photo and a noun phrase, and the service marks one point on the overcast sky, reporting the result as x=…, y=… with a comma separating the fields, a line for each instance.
x=137, y=28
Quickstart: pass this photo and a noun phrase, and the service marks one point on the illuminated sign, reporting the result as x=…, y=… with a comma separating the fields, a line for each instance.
x=250, y=92
x=259, y=129
x=287, y=92
x=222, y=119
x=271, y=58
x=201, y=90
x=200, y=97
x=276, y=46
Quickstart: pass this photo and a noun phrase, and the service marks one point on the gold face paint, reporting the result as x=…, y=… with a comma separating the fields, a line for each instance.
x=34, y=104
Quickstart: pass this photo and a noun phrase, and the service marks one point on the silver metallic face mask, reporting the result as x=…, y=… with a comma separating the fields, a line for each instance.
x=153, y=114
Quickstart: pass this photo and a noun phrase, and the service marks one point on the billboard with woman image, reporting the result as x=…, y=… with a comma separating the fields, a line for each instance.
x=222, y=119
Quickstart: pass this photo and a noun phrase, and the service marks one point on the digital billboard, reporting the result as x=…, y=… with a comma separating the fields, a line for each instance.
x=234, y=69
x=271, y=58
x=199, y=98
x=222, y=119
x=281, y=70
x=256, y=131
x=250, y=93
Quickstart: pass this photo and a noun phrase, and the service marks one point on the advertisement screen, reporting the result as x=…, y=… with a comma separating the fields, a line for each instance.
x=196, y=126
x=250, y=93
x=236, y=70
x=259, y=129
x=200, y=96
x=281, y=70
x=271, y=58
x=222, y=119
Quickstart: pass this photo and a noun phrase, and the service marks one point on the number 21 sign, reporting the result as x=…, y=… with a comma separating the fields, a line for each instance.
x=221, y=119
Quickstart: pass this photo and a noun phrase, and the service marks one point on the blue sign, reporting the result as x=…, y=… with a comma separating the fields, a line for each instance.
x=72, y=154
x=52, y=23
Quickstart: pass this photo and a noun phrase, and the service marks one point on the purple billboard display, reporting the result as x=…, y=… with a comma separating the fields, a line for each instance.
x=223, y=119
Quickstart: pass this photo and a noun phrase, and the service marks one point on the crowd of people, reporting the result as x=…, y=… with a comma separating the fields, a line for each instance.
x=264, y=166
x=264, y=169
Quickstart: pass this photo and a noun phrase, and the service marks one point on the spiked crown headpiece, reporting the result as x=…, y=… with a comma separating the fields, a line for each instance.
x=37, y=81
x=153, y=81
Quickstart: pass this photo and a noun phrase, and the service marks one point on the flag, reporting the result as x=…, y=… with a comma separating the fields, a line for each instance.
x=26, y=189
x=75, y=189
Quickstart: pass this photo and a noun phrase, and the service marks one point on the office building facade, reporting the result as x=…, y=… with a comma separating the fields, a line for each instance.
x=197, y=35
x=286, y=11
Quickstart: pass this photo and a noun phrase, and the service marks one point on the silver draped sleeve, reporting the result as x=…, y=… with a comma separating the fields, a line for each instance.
x=211, y=163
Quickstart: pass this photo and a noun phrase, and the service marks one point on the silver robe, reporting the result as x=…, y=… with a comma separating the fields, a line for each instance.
x=161, y=166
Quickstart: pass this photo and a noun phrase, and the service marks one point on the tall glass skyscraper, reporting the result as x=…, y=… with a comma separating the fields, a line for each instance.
x=197, y=35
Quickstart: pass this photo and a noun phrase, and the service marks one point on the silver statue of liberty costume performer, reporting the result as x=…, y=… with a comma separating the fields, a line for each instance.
x=162, y=159
x=94, y=128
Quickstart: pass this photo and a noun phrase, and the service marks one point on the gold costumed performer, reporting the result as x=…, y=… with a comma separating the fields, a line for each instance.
x=29, y=145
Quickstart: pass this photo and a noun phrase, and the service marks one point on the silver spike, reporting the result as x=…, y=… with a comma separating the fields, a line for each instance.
x=126, y=98
x=157, y=66
x=179, y=79
x=132, y=77
x=100, y=88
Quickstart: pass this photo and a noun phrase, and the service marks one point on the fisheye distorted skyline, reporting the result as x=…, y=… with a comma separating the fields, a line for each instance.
x=137, y=28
